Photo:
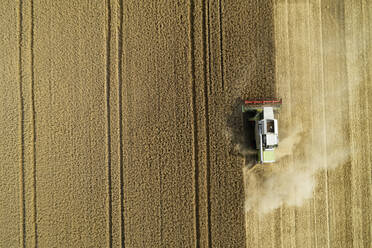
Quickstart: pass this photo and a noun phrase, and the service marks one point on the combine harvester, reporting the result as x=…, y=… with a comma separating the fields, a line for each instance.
x=261, y=124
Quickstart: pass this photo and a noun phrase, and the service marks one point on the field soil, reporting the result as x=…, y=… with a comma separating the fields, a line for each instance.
x=120, y=121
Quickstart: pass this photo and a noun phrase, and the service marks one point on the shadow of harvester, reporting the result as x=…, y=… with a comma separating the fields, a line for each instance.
x=241, y=133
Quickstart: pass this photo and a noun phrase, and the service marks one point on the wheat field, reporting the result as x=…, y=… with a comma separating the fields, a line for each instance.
x=119, y=123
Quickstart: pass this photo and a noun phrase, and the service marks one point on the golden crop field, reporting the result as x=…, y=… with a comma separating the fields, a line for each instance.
x=121, y=126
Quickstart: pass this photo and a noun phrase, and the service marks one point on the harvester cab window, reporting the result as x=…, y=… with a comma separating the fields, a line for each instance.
x=270, y=126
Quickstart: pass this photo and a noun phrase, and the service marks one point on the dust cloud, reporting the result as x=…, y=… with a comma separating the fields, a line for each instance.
x=294, y=182
x=300, y=156
x=302, y=153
